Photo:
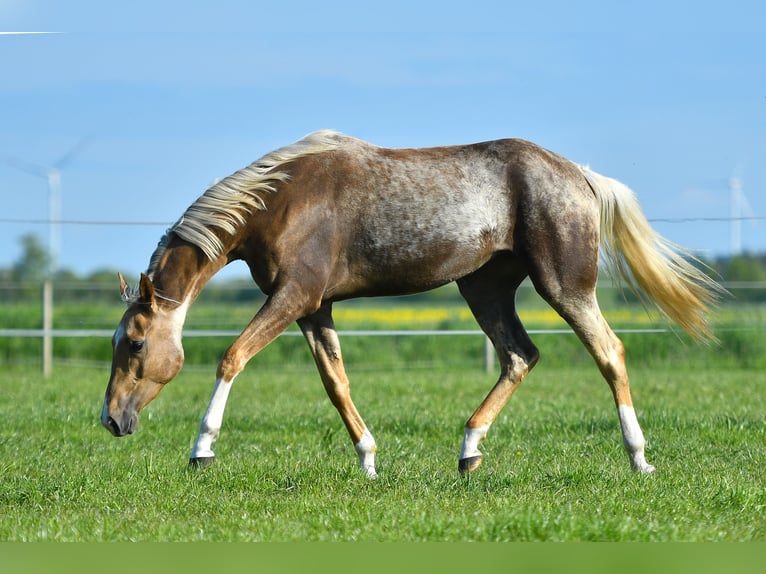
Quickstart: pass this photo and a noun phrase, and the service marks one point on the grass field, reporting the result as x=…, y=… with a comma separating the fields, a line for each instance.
x=554, y=466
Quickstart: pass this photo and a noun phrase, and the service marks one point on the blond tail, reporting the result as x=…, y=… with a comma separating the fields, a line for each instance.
x=657, y=270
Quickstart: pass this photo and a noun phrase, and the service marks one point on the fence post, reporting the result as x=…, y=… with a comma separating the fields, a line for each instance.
x=489, y=355
x=47, y=328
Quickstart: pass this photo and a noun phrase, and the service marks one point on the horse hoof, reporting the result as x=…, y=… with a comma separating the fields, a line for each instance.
x=466, y=465
x=644, y=468
x=371, y=473
x=638, y=464
x=201, y=461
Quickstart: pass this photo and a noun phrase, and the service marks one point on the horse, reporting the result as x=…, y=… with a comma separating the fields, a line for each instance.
x=331, y=217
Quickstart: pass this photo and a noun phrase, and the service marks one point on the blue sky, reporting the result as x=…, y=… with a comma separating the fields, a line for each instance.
x=161, y=98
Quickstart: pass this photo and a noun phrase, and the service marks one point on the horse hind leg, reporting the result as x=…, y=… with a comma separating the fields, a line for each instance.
x=490, y=293
x=579, y=307
x=322, y=338
x=609, y=354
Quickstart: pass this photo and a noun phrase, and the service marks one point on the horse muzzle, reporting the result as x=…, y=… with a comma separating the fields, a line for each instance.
x=121, y=425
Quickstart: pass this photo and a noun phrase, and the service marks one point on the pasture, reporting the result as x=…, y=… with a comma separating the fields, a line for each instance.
x=554, y=466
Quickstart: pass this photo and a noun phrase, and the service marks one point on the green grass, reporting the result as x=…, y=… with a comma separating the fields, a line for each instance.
x=554, y=466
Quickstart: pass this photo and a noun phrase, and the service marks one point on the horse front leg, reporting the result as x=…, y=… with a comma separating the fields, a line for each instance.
x=273, y=318
x=322, y=338
x=210, y=427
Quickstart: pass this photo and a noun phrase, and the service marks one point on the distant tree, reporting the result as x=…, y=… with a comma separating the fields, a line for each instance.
x=34, y=264
x=745, y=268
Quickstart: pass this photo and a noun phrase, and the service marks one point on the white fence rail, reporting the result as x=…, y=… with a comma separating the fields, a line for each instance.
x=47, y=335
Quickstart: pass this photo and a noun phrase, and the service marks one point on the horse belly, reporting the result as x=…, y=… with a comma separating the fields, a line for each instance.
x=411, y=248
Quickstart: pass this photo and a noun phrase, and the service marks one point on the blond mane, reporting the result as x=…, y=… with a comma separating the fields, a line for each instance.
x=227, y=203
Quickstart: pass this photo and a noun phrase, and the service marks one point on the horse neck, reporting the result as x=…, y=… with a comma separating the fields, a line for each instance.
x=181, y=273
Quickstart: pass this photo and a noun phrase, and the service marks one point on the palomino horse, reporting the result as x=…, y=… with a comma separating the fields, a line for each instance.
x=331, y=217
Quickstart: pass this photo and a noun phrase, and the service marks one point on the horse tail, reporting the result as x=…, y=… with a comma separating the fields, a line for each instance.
x=657, y=270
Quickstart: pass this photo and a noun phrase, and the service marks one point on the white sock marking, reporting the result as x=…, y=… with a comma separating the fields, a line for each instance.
x=366, y=449
x=633, y=439
x=471, y=440
x=210, y=426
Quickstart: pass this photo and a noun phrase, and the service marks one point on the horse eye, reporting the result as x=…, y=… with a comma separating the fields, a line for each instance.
x=136, y=346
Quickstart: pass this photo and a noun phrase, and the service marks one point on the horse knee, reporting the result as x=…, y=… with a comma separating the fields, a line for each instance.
x=230, y=365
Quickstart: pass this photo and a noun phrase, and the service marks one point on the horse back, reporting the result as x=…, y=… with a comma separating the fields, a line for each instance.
x=388, y=221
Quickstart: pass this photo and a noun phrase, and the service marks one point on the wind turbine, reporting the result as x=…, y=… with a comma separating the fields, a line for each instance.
x=52, y=175
x=740, y=208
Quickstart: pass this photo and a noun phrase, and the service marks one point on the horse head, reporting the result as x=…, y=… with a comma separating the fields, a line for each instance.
x=146, y=354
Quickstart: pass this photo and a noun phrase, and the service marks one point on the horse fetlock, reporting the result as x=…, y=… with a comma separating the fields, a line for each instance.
x=366, y=449
x=633, y=439
x=367, y=462
x=470, y=455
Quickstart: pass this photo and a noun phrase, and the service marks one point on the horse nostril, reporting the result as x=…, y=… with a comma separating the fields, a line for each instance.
x=113, y=427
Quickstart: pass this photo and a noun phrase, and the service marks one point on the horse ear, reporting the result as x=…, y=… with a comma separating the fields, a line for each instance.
x=124, y=289
x=146, y=292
